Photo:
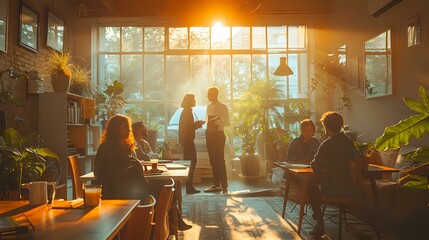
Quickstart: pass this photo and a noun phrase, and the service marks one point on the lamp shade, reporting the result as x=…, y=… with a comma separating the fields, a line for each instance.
x=283, y=69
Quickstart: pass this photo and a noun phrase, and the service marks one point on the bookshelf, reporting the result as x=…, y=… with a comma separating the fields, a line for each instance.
x=66, y=126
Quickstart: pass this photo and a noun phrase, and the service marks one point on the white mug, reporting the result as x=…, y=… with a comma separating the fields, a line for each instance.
x=39, y=191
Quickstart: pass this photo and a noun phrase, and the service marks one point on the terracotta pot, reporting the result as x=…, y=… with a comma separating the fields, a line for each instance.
x=60, y=82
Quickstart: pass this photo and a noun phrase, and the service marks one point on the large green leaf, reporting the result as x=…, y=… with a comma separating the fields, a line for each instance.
x=399, y=134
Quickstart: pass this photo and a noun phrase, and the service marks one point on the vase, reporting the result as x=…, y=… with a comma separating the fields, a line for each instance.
x=60, y=82
x=249, y=165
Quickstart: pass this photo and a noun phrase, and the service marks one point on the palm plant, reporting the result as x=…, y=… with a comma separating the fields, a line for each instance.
x=260, y=102
x=415, y=126
x=21, y=161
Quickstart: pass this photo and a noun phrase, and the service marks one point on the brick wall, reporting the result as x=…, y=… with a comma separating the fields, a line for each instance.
x=22, y=59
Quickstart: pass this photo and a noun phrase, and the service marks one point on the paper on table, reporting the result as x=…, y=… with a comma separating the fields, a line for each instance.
x=174, y=166
x=293, y=165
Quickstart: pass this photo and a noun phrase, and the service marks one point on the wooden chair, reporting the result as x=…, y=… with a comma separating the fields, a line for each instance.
x=75, y=174
x=341, y=202
x=161, y=230
x=140, y=224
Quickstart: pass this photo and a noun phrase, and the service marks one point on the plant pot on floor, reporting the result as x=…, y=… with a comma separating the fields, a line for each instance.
x=249, y=165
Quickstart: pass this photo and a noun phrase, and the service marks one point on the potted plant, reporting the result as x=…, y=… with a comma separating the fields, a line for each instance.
x=109, y=101
x=245, y=127
x=57, y=66
x=21, y=161
x=81, y=83
x=415, y=126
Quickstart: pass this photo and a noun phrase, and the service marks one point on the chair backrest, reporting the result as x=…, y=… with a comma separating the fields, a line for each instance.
x=161, y=230
x=75, y=174
x=355, y=169
x=140, y=224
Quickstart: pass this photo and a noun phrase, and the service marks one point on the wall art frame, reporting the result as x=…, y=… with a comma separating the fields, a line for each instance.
x=28, y=28
x=4, y=17
x=55, y=32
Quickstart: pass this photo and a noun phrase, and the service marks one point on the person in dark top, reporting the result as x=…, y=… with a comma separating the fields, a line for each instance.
x=330, y=166
x=116, y=169
x=303, y=148
x=143, y=150
x=187, y=127
x=121, y=174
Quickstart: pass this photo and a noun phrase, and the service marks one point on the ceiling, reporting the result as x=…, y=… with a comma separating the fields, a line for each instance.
x=196, y=8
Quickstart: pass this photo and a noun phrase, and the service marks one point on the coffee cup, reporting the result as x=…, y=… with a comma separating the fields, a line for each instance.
x=92, y=195
x=154, y=164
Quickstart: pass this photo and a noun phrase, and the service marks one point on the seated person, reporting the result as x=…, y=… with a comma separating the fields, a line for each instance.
x=144, y=151
x=118, y=171
x=303, y=148
x=330, y=166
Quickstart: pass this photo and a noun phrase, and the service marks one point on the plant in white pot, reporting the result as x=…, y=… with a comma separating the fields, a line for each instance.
x=245, y=127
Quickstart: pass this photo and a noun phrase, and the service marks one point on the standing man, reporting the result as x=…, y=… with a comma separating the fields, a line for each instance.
x=217, y=116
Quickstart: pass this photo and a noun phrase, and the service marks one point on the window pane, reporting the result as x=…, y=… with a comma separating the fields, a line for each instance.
x=132, y=77
x=221, y=38
x=154, y=39
x=108, y=66
x=301, y=76
x=259, y=70
x=200, y=77
x=178, y=38
x=177, y=77
x=240, y=74
x=154, y=76
x=109, y=39
x=221, y=72
x=240, y=38
x=258, y=38
x=277, y=37
x=297, y=37
x=132, y=39
x=200, y=37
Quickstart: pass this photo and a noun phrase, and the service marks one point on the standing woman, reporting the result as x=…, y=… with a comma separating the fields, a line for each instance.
x=187, y=127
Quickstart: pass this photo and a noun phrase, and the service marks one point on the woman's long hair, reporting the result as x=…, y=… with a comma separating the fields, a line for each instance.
x=112, y=133
x=188, y=101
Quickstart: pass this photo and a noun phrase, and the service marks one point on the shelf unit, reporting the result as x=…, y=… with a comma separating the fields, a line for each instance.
x=66, y=135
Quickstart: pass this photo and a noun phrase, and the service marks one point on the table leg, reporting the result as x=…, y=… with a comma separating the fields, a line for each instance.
x=302, y=206
x=286, y=195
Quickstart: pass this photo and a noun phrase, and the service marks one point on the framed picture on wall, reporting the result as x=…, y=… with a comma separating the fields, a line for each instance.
x=4, y=15
x=55, y=34
x=28, y=28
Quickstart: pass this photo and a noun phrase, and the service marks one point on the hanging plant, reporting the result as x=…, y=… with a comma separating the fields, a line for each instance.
x=332, y=74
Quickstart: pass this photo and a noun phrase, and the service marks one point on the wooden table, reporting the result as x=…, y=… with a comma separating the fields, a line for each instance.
x=179, y=175
x=176, y=174
x=303, y=174
x=101, y=222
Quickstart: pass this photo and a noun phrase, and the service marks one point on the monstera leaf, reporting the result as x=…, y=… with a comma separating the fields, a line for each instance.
x=414, y=126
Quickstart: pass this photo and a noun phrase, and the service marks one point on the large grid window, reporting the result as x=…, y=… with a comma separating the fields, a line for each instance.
x=159, y=65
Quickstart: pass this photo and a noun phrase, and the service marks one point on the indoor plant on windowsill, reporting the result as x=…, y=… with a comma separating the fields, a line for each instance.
x=109, y=101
